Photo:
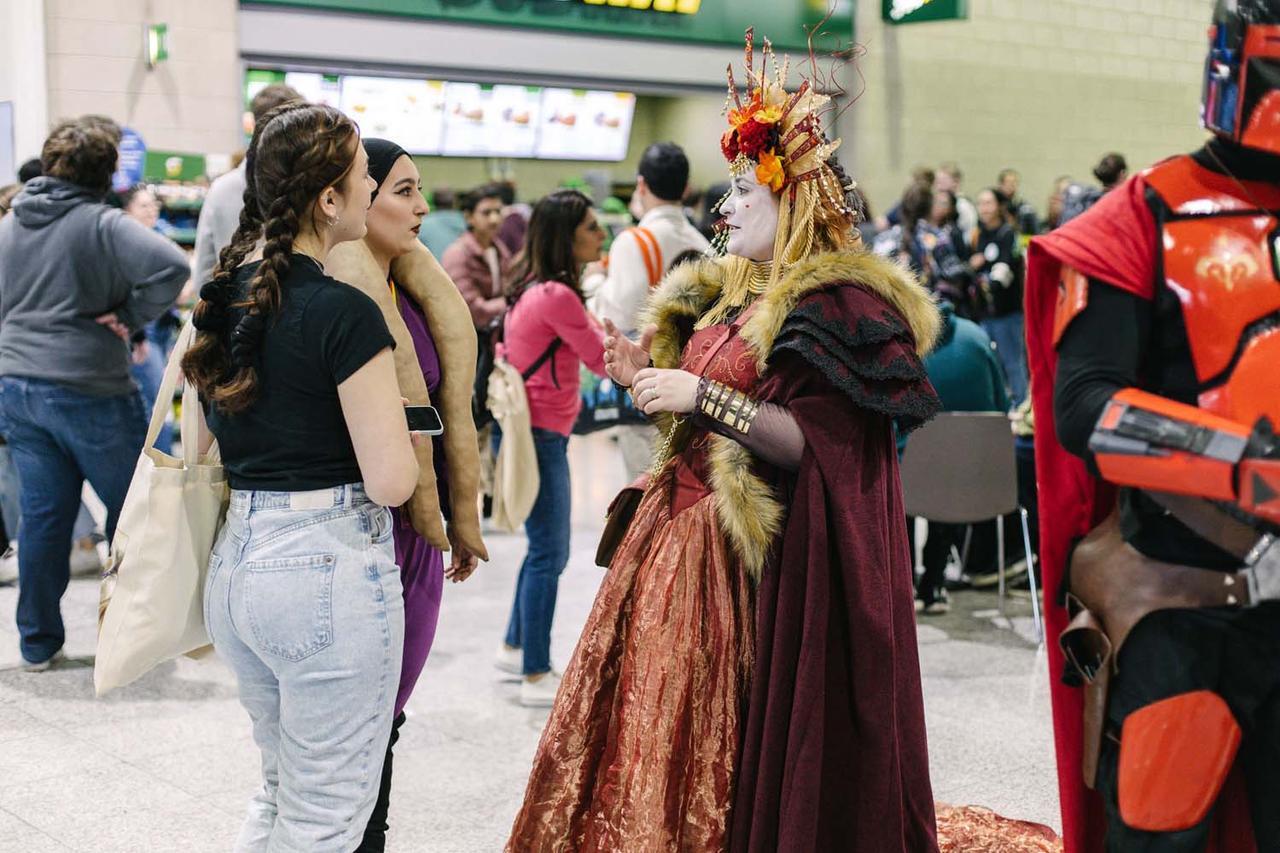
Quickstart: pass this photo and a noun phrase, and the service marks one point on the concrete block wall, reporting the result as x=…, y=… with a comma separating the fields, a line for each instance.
x=1044, y=86
x=190, y=102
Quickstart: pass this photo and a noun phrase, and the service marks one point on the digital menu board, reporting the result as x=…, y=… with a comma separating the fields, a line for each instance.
x=585, y=125
x=409, y=112
x=459, y=119
x=316, y=88
x=490, y=121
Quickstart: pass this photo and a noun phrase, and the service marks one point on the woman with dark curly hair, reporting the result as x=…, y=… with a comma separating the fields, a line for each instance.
x=303, y=597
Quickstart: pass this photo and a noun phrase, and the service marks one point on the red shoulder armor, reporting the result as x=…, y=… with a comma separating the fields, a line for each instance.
x=1189, y=189
x=1220, y=257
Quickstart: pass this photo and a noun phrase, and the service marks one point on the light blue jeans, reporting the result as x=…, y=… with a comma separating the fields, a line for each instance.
x=303, y=601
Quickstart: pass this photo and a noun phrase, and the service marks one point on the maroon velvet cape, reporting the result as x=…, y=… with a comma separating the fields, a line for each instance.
x=834, y=753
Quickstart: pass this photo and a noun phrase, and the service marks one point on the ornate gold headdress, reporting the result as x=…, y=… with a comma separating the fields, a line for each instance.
x=778, y=135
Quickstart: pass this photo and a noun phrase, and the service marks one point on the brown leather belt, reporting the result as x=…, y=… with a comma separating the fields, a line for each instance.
x=1113, y=586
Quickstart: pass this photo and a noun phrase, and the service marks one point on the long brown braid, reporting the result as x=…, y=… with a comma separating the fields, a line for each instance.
x=297, y=151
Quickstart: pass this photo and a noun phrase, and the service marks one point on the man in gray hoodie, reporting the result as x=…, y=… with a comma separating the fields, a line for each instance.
x=77, y=278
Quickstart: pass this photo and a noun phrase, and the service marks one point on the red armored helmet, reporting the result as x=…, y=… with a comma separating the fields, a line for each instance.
x=1242, y=74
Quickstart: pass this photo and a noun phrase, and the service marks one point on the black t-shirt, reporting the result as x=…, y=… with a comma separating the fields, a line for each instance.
x=1000, y=245
x=294, y=437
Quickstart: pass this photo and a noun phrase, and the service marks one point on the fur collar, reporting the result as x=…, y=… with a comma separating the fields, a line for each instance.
x=748, y=511
x=691, y=289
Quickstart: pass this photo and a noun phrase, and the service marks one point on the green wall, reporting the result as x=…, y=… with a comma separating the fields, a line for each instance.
x=716, y=22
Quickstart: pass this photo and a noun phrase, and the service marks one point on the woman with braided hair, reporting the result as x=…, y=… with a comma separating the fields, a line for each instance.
x=748, y=678
x=303, y=597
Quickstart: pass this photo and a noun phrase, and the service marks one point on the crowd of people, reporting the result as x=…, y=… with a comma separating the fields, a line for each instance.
x=320, y=313
x=970, y=255
x=748, y=677
x=322, y=309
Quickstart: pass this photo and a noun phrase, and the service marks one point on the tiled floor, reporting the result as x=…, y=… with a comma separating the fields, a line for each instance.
x=168, y=764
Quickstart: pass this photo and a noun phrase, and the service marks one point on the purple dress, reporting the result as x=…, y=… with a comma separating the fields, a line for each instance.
x=421, y=566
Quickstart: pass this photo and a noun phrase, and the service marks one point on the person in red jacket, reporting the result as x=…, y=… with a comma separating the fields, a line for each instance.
x=1153, y=334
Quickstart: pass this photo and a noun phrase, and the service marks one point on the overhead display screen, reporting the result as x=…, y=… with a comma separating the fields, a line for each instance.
x=409, y=112
x=460, y=119
x=584, y=125
x=491, y=121
x=317, y=88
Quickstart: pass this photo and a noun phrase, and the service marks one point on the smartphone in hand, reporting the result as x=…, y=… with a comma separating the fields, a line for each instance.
x=424, y=419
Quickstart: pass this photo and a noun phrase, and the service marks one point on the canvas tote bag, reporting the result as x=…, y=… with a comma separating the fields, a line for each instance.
x=152, y=594
x=515, y=475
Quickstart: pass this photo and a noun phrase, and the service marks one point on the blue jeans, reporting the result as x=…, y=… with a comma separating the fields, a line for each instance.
x=303, y=602
x=58, y=438
x=548, y=530
x=11, y=497
x=1011, y=348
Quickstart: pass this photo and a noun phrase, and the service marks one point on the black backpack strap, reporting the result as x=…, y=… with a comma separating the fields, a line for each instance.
x=547, y=354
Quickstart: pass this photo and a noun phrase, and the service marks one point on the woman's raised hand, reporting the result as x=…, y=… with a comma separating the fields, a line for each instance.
x=623, y=357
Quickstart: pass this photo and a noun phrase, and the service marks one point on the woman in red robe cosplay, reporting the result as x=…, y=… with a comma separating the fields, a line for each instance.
x=748, y=678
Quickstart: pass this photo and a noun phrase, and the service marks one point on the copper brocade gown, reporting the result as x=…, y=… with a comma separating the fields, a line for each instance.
x=641, y=750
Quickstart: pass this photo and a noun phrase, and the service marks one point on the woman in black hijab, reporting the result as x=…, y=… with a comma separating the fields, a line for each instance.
x=419, y=308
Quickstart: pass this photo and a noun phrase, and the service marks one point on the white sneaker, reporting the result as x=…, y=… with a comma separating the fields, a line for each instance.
x=509, y=660
x=85, y=561
x=540, y=693
x=9, y=566
x=45, y=665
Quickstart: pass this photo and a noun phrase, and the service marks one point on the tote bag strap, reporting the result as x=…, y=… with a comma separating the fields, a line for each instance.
x=190, y=425
x=191, y=429
x=164, y=396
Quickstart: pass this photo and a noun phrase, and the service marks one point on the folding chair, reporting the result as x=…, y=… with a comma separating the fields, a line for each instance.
x=959, y=468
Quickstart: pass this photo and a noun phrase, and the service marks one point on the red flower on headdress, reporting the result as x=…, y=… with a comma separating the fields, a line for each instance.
x=729, y=145
x=753, y=138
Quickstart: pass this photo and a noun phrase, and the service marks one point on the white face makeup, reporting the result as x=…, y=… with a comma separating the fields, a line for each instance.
x=751, y=215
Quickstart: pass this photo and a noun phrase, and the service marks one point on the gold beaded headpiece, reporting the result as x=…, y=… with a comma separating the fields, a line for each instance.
x=778, y=135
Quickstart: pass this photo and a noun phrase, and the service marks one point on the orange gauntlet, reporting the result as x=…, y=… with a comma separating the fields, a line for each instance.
x=1150, y=442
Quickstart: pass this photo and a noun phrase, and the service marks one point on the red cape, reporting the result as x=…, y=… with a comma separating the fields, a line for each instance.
x=1116, y=241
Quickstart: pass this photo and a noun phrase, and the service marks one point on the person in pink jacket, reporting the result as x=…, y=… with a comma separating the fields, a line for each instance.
x=549, y=333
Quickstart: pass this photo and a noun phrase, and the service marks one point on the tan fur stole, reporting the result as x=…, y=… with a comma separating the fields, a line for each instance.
x=419, y=275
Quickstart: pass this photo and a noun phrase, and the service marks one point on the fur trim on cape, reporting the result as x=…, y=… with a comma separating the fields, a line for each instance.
x=749, y=513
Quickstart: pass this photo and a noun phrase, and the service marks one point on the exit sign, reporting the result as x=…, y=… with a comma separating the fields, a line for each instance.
x=679, y=7
x=916, y=11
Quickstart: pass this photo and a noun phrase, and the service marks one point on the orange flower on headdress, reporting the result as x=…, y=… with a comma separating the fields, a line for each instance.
x=769, y=115
x=770, y=171
x=739, y=117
